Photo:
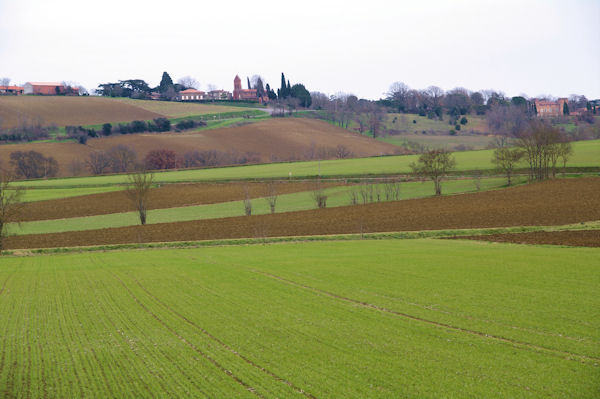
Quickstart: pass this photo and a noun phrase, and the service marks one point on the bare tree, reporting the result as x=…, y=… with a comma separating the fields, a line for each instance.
x=564, y=152
x=138, y=191
x=506, y=159
x=434, y=164
x=539, y=143
x=391, y=190
x=271, y=195
x=189, y=83
x=319, y=195
x=247, y=202
x=4, y=81
x=10, y=203
x=122, y=158
x=98, y=162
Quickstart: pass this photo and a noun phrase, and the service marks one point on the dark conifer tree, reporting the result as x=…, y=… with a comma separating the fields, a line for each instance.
x=249, y=87
x=165, y=83
x=282, y=92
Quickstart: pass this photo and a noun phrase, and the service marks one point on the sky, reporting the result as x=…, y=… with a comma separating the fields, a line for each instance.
x=530, y=47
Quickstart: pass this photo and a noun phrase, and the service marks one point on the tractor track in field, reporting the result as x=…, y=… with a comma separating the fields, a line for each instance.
x=574, y=238
x=224, y=345
x=518, y=344
x=206, y=356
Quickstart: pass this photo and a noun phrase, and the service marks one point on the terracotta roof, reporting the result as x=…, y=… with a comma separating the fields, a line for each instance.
x=11, y=88
x=191, y=91
x=45, y=84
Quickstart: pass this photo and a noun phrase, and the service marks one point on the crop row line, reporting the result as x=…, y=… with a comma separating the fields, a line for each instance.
x=516, y=343
x=184, y=340
x=224, y=345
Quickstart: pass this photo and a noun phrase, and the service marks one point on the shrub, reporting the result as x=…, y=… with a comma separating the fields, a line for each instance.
x=414, y=121
x=452, y=132
x=138, y=126
x=162, y=124
x=106, y=129
x=463, y=120
x=457, y=127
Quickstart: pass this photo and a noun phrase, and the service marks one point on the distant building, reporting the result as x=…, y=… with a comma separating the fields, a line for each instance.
x=245, y=94
x=242, y=94
x=551, y=108
x=44, y=88
x=191, y=95
x=218, y=95
x=8, y=90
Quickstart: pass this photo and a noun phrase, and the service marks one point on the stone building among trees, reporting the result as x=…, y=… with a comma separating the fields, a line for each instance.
x=545, y=108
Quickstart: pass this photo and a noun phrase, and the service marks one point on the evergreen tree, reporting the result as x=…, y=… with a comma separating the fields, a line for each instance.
x=249, y=87
x=288, y=91
x=299, y=91
x=565, y=108
x=260, y=90
x=166, y=83
x=282, y=92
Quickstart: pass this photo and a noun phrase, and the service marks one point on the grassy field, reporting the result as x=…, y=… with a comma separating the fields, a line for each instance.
x=362, y=319
x=404, y=123
x=336, y=196
x=476, y=142
x=586, y=154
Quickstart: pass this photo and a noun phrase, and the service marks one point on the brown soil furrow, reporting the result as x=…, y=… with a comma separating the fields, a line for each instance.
x=516, y=343
x=224, y=345
x=166, y=196
x=188, y=343
x=557, y=202
x=574, y=238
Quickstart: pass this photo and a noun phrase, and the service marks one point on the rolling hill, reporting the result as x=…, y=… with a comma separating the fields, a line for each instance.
x=273, y=139
x=64, y=111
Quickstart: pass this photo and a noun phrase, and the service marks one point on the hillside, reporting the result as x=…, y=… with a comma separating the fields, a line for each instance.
x=64, y=111
x=273, y=139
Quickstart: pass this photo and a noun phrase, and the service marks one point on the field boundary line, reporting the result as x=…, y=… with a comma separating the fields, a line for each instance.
x=188, y=343
x=224, y=345
x=518, y=344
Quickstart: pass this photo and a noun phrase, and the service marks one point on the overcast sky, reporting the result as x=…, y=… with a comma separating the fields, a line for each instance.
x=361, y=47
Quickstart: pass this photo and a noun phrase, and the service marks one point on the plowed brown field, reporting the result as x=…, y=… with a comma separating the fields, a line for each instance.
x=64, y=111
x=576, y=238
x=273, y=139
x=556, y=202
x=168, y=196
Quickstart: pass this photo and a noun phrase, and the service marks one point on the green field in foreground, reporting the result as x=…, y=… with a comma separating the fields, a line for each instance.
x=586, y=154
x=361, y=319
x=337, y=196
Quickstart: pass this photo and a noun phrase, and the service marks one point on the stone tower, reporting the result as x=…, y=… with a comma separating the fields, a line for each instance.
x=237, y=87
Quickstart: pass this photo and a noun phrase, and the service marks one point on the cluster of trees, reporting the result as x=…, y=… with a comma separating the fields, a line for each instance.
x=32, y=165
x=27, y=130
x=297, y=91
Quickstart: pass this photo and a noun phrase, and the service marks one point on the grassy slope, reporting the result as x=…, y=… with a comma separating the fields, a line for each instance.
x=337, y=196
x=586, y=154
x=188, y=323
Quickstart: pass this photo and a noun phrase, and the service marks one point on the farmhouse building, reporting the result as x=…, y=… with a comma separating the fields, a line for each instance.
x=44, y=88
x=218, y=95
x=14, y=90
x=550, y=108
x=191, y=95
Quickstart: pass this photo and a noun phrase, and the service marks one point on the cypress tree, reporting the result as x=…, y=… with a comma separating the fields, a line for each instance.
x=282, y=92
x=289, y=89
x=165, y=83
x=565, y=108
x=249, y=87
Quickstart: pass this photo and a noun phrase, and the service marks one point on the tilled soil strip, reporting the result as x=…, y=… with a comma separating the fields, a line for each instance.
x=167, y=196
x=575, y=238
x=550, y=203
